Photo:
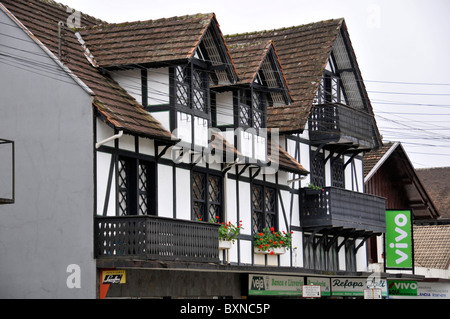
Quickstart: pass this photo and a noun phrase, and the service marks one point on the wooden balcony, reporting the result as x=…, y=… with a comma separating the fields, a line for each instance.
x=339, y=124
x=337, y=207
x=157, y=238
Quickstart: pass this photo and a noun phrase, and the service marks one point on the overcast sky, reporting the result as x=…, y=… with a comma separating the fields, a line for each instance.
x=402, y=41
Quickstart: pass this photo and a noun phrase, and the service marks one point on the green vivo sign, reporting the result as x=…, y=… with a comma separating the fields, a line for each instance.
x=399, y=239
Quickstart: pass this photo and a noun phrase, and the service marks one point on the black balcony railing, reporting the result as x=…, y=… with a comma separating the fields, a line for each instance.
x=336, y=207
x=339, y=123
x=150, y=237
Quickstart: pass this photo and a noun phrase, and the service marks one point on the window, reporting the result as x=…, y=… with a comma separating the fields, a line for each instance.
x=252, y=109
x=206, y=196
x=182, y=94
x=330, y=87
x=191, y=99
x=191, y=88
x=264, y=207
x=7, y=172
x=337, y=171
x=317, y=169
x=136, y=194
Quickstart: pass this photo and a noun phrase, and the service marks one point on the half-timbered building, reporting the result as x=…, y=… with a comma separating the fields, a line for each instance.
x=265, y=130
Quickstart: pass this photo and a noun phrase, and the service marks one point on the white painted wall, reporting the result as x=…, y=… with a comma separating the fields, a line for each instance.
x=165, y=191
x=130, y=80
x=158, y=86
x=224, y=106
x=103, y=167
x=183, y=195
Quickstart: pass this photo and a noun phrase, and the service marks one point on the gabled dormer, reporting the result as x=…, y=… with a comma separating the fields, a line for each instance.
x=167, y=65
x=342, y=113
x=243, y=106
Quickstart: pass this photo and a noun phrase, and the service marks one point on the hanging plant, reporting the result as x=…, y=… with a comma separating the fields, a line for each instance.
x=268, y=240
x=227, y=231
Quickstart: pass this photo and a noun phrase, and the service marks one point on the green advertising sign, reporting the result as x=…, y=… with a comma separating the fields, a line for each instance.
x=398, y=239
x=267, y=285
x=403, y=288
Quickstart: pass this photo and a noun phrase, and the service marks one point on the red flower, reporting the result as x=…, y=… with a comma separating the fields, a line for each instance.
x=281, y=242
x=261, y=234
x=267, y=245
x=271, y=252
x=260, y=246
x=272, y=229
x=274, y=242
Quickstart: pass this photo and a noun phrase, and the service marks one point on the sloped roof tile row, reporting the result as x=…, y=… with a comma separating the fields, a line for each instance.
x=142, y=42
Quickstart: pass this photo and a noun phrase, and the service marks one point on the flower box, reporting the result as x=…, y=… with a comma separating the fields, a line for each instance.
x=271, y=251
x=225, y=244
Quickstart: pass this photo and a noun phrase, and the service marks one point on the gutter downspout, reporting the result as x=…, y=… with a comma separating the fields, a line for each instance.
x=114, y=137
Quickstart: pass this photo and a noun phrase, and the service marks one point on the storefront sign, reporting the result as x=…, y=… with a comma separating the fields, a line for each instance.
x=275, y=285
x=403, y=288
x=433, y=290
x=113, y=277
x=399, y=239
x=324, y=284
x=356, y=286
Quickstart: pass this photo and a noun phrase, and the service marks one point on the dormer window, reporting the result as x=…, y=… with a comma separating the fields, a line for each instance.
x=252, y=109
x=330, y=89
x=191, y=88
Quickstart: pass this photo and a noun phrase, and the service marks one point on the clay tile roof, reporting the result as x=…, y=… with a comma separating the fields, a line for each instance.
x=372, y=158
x=303, y=52
x=114, y=105
x=288, y=163
x=432, y=246
x=162, y=40
x=436, y=182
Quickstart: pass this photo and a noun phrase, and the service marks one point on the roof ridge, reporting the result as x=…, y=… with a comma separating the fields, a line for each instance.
x=432, y=168
x=340, y=20
x=209, y=15
x=64, y=6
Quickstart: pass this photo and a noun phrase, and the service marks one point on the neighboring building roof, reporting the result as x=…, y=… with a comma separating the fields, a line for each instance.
x=432, y=246
x=113, y=103
x=436, y=181
x=373, y=160
x=392, y=158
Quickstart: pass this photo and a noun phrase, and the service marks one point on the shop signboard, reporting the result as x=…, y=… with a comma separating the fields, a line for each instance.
x=356, y=286
x=399, y=252
x=268, y=285
x=324, y=284
x=403, y=288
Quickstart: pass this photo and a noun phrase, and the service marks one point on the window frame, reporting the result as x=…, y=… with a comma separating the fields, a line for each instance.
x=262, y=211
x=129, y=182
x=207, y=200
